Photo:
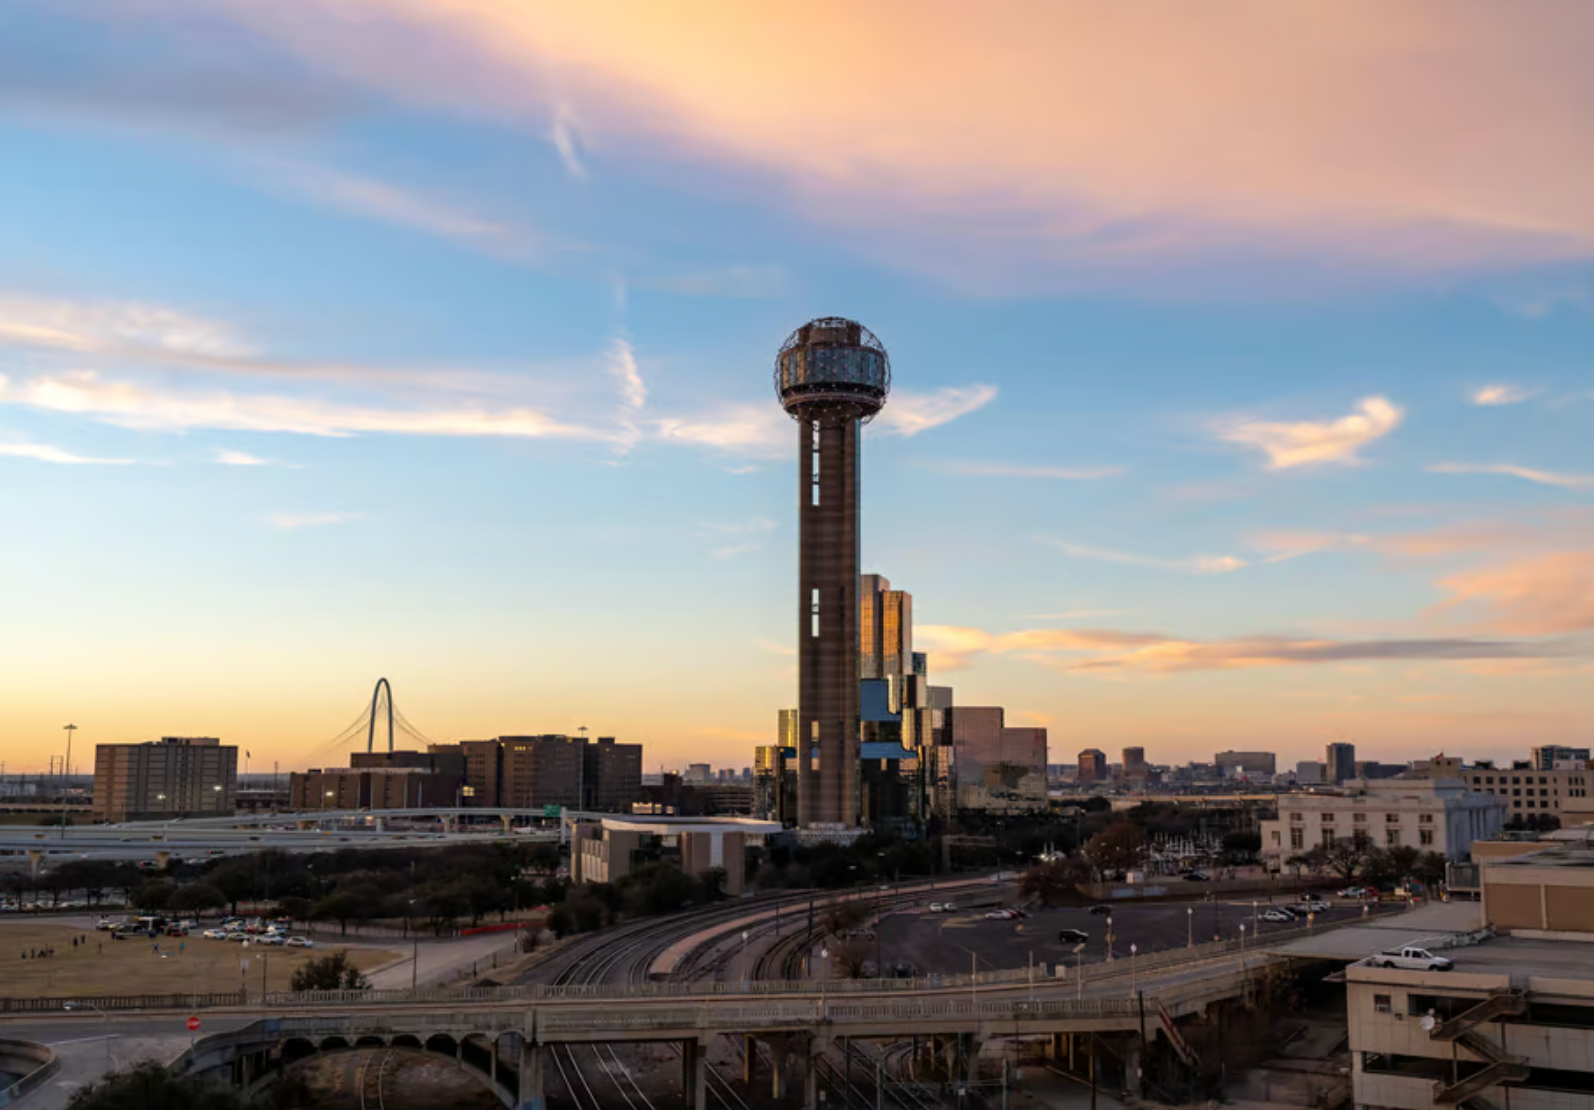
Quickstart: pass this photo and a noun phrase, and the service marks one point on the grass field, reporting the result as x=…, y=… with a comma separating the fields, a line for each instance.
x=104, y=966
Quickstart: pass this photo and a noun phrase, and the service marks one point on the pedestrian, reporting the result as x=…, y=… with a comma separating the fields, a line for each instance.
x=157, y=948
x=182, y=946
x=31, y=956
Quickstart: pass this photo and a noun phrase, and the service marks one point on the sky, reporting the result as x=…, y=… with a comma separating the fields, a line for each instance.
x=1242, y=393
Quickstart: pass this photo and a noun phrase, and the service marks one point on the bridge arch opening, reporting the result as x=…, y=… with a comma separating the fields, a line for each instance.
x=298, y=1054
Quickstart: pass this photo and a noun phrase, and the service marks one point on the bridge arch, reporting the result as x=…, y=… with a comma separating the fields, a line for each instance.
x=298, y=1051
x=378, y=700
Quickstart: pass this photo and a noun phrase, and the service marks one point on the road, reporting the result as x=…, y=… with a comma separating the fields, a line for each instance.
x=85, y=1042
x=943, y=943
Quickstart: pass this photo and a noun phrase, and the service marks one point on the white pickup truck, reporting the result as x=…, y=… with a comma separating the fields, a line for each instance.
x=1411, y=958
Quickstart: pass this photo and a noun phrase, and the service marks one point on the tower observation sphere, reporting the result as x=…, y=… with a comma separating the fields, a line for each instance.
x=832, y=367
x=832, y=375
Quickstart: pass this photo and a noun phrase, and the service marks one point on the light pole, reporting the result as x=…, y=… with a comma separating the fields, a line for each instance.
x=824, y=973
x=744, y=959
x=1133, y=949
x=1256, y=927
x=415, y=955
x=1189, y=930
x=70, y=1006
x=1079, y=971
x=1242, y=936
x=67, y=768
x=1109, y=938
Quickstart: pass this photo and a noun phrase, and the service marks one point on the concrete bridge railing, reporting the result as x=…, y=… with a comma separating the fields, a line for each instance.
x=34, y=1064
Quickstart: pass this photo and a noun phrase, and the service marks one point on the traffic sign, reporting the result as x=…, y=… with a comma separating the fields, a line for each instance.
x=193, y=1025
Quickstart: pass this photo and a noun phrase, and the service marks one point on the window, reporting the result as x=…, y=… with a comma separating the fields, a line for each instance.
x=1275, y=836
x=1328, y=818
x=1297, y=817
x=1425, y=838
x=1490, y=780
x=1532, y=804
x=1543, y=780
x=1515, y=781
x=1516, y=793
x=1383, y=1004
x=1297, y=838
x=1392, y=837
x=1328, y=838
x=1391, y=818
x=1360, y=818
x=1425, y=819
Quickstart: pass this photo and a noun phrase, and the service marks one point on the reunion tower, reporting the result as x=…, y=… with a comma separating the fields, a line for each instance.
x=832, y=376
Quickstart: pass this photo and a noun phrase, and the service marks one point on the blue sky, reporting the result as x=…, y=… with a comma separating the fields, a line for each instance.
x=1231, y=407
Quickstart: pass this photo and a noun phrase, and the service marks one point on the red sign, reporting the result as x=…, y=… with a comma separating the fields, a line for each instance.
x=193, y=1025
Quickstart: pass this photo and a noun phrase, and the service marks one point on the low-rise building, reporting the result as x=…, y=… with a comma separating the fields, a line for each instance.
x=1508, y=1024
x=606, y=851
x=1432, y=815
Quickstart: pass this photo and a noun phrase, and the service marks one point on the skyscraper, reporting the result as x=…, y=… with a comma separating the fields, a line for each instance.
x=1341, y=762
x=1092, y=767
x=832, y=375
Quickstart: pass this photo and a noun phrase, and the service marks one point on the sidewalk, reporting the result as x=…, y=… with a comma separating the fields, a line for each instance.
x=443, y=961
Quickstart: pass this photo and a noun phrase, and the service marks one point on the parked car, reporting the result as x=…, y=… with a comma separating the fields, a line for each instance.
x=300, y=942
x=1100, y=909
x=176, y=931
x=1280, y=917
x=1001, y=915
x=1411, y=958
x=1310, y=907
x=105, y=924
x=215, y=934
x=1197, y=877
x=1073, y=936
x=934, y=907
x=1355, y=892
x=270, y=938
x=237, y=935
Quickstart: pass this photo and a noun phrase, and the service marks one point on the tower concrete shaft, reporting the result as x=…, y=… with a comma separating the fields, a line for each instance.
x=827, y=663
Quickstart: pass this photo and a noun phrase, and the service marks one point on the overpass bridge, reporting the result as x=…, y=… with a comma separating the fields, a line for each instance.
x=504, y=1043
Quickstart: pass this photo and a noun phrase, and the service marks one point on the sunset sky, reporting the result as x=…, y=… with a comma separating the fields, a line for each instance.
x=1243, y=361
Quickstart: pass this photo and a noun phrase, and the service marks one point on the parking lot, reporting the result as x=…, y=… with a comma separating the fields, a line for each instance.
x=950, y=943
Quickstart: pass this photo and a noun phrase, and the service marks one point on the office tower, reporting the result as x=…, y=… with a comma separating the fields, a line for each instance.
x=175, y=776
x=1546, y=758
x=998, y=769
x=1341, y=759
x=1309, y=772
x=1092, y=767
x=1247, y=763
x=885, y=629
x=832, y=375
x=1134, y=763
x=611, y=775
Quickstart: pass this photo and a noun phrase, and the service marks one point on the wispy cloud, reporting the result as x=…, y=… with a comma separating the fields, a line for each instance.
x=40, y=452
x=228, y=457
x=1536, y=595
x=908, y=413
x=774, y=648
x=1527, y=474
x=1016, y=470
x=294, y=521
x=727, y=541
x=92, y=327
x=1285, y=545
x=394, y=204
x=1501, y=394
x=1191, y=564
x=1079, y=614
x=1315, y=443
x=1108, y=652
x=563, y=137
x=149, y=408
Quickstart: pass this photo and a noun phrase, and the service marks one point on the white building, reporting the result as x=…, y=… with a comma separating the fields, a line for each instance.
x=1431, y=815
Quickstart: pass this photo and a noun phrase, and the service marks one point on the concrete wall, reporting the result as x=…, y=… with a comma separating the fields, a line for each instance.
x=33, y=1063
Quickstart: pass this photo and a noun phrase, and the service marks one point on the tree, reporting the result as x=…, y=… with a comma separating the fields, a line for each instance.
x=150, y=1086
x=843, y=917
x=1346, y=856
x=1055, y=883
x=332, y=972
x=1431, y=869
x=1121, y=846
x=1242, y=845
x=156, y=894
x=196, y=898
x=342, y=906
x=847, y=958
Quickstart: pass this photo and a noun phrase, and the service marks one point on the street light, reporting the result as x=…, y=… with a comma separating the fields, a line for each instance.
x=1189, y=931
x=1242, y=935
x=1109, y=938
x=67, y=769
x=1133, y=948
x=70, y=1006
x=744, y=959
x=415, y=955
x=1079, y=970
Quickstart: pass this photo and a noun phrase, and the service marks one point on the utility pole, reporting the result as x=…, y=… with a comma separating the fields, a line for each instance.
x=66, y=768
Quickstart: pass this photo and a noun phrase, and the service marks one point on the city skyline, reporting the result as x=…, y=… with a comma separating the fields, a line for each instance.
x=1248, y=406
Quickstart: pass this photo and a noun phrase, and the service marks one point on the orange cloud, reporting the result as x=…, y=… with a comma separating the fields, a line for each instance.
x=1112, y=652
x=1541, y=595
x=1103, y=136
